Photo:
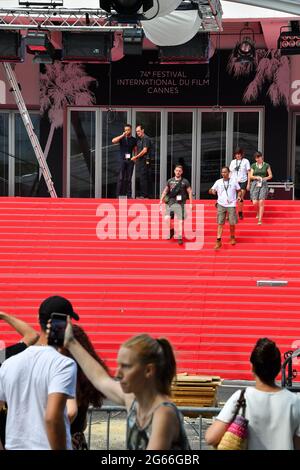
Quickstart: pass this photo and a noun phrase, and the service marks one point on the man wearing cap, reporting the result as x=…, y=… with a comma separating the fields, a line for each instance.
x=36, y=385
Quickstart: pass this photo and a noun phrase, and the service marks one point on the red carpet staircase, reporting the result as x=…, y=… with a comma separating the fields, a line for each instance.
x=206, y=302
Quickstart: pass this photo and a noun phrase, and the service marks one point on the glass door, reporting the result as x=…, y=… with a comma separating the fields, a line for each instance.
x=213, y=149
x=296, y=155
x=113, y=122
x=181, y=143
x=82, y=144
x=4, y=151
x=151, y=121
x=246, y=132
x=26, y=166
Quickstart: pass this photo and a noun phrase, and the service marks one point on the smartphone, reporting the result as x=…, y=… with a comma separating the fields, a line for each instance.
x=57, y=330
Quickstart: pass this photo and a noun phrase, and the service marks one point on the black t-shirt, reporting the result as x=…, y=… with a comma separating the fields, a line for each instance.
x=142, y=143
x=127, y=145
x=179, y=187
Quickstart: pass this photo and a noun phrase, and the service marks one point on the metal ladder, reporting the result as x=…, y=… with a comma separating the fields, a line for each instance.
x=29, y=128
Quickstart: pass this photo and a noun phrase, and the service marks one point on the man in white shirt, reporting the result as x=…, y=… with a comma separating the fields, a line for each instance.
x=226, y=189
x=36, y=384
x=240, y=171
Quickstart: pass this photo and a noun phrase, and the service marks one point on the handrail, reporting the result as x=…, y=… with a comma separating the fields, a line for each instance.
x=109, y=409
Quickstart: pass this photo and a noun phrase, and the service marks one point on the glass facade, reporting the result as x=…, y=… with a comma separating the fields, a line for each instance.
x=82, y=154
x=19, y=170
x=4, y=153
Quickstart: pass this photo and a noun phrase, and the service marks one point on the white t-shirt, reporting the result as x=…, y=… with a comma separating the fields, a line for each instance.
x=239, y=170
x=26, y=380
x=274, y=418
x=227, y=192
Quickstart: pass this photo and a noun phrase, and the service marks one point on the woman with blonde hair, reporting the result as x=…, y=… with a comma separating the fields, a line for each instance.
x=146, y=368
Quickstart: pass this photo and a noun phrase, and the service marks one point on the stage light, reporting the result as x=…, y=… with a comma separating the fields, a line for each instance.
x=133, y=41
x=86, y=47
x=126, y=7
x=11, y=46
x=37, y=43
x=244, y=50
x=195, y=51
x=289, y=39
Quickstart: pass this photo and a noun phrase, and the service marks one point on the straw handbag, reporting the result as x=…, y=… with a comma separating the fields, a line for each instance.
x=235, y=438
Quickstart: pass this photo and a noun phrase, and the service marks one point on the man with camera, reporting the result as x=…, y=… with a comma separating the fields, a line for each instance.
x=175, y=194
x=36, y=385
x=143, y=163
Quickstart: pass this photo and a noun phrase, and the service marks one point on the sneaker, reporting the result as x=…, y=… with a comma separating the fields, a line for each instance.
x=241, y=215
x=232, y=241
x=218, y=244
x=180, y=241
x=171, y=235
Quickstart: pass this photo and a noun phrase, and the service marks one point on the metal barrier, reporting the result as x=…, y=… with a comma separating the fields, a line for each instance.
x=191, y=424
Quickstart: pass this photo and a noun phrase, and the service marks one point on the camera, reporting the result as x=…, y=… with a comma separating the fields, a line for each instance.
x=57, y=330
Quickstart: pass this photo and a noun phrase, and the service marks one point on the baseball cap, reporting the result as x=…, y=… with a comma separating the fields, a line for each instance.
x=55, y=304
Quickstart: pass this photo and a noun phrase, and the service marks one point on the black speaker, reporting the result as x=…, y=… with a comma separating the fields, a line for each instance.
x=194, y=51
x=133, y=41
x=86, y=47
x=11, y=46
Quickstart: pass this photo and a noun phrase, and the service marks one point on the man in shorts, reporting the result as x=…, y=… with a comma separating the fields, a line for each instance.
x=227, y=190
x=240, y=171
x=177, y=190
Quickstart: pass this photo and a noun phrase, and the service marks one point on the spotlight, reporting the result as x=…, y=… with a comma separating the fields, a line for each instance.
x=244, y=50
x=289, y=39
x=133, y=41
x=11, y=47
x=38, y=43
x=126, y=7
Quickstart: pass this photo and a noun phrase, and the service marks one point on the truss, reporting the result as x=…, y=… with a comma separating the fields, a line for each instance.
x=61, y=19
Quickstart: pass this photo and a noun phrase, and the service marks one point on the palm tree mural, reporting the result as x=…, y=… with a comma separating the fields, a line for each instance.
x=271, y=69
x=65, y=85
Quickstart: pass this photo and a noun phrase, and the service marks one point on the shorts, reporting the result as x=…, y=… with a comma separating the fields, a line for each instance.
x=176, y=209
x=243, y=184
x=221, y=215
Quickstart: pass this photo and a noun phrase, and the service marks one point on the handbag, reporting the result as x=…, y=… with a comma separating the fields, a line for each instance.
x=235, y=438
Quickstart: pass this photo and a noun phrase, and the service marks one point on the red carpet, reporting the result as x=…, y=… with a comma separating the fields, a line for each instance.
x=206, y=302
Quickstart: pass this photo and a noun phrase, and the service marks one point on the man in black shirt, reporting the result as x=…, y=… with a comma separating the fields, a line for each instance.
x=127, y=147
x=175, y=194
x=142, y=159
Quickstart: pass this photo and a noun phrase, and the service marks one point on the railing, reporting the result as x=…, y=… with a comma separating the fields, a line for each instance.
x=194, y=426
